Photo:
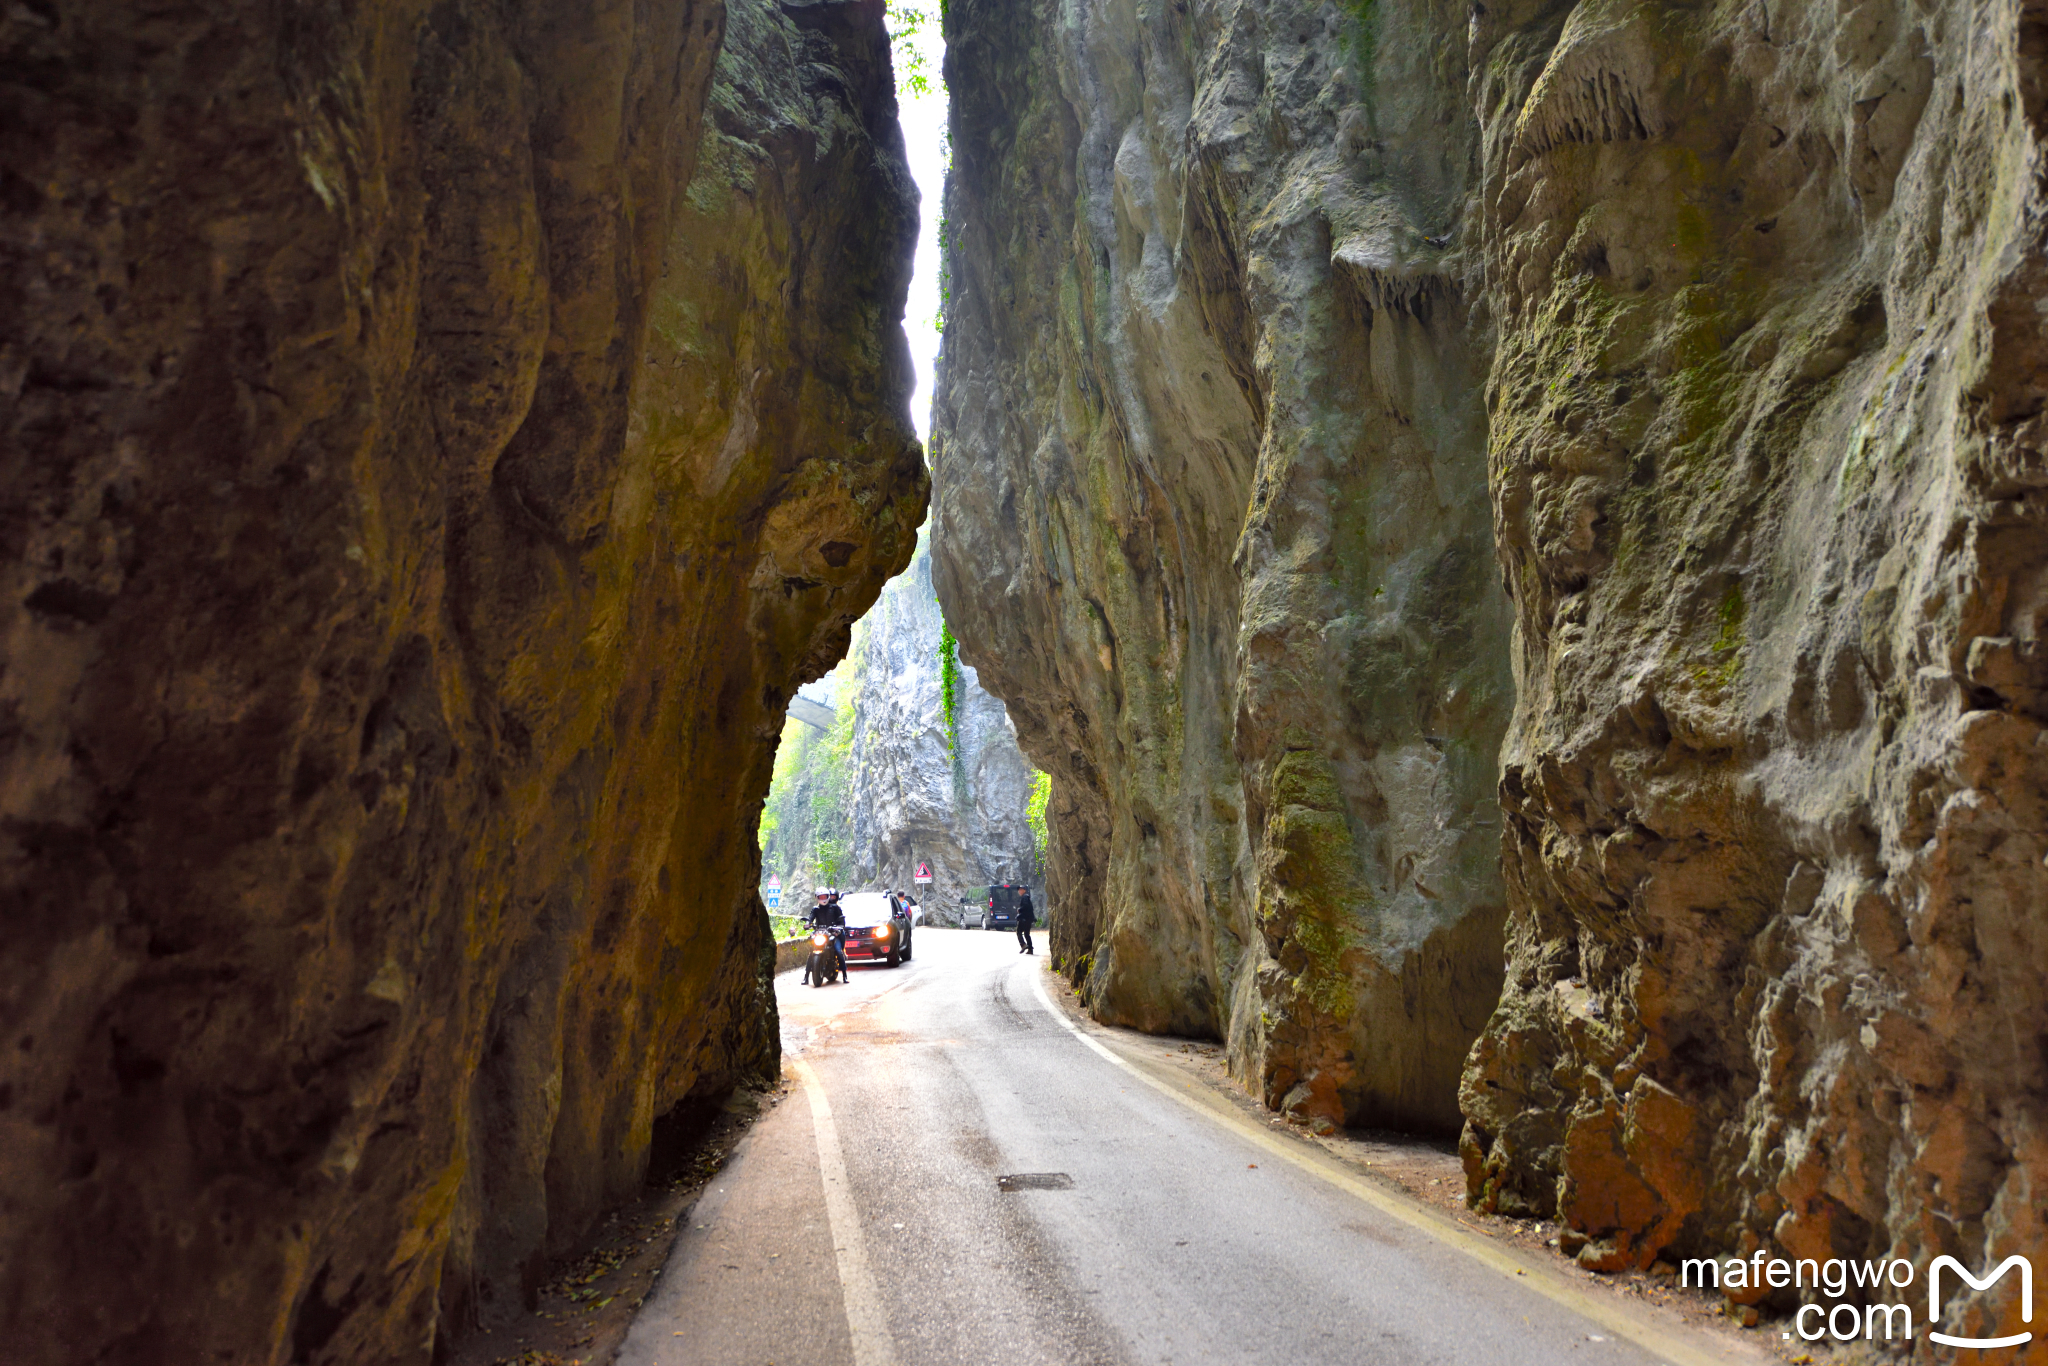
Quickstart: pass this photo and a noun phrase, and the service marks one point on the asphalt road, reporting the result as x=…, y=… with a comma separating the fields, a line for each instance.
x=1185, y=1236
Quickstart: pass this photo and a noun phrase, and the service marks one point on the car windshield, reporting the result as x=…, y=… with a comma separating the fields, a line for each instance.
x=865, y=908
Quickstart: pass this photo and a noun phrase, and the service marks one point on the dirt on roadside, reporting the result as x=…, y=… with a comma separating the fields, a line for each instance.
x=589, y=1299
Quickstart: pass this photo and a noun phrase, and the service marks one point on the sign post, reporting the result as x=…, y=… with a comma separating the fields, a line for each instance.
x=773, y=896
x=924, y=873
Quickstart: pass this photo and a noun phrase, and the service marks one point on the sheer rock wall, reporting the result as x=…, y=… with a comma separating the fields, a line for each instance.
x=1738, y=309
x=1212, y=521
x=421, y=495
x=1768, y=478
x=963, y=810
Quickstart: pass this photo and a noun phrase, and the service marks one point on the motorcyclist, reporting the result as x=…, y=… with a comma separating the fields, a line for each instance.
x=827, y=915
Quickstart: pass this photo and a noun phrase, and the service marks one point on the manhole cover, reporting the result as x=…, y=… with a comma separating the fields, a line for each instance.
x=1035, y=1181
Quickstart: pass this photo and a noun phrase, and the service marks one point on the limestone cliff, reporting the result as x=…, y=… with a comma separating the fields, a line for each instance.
x=1736, y=310
x=915, y=797
x=1768, y=473
x=1212, y=520
x=433, y=453
x=862, y=805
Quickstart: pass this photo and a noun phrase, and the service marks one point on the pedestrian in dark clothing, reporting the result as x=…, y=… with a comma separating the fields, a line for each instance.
x=830, y=916
x=1025, y=920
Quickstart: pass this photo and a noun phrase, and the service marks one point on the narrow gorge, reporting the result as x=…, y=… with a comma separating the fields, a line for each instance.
x=1489, y=560
x=1518, y=532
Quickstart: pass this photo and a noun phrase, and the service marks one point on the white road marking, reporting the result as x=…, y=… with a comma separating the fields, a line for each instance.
x=1534, y=1276
x=864, y=1321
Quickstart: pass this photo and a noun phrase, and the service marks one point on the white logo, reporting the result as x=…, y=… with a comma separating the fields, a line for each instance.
x=2026, y=1299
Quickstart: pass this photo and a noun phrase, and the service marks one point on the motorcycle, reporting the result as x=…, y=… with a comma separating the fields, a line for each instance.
x=824, y=963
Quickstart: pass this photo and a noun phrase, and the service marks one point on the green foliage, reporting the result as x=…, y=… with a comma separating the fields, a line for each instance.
x=949, y=686
x=830, y=817
x=1034, y=816
x=783, y=816
x=905, y=23
x=828, y=856
x=807, y=821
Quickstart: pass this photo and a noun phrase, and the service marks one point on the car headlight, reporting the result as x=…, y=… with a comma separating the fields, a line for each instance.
x=881, y=932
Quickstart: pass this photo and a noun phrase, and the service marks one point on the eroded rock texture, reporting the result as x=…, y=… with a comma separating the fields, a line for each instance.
x=1213, y=523
x=960, y=808
x=1767, y=466
x=1742, y=305
x=417, y=507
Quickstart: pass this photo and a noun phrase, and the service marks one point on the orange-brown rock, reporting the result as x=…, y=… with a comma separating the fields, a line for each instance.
x=430, y=454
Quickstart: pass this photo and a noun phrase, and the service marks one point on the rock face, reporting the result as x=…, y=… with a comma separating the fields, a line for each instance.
x=1210, y=471
x=1767, y=464
x=883, y=791
x=961, y=809
x=1740, y=309
x=433, y=454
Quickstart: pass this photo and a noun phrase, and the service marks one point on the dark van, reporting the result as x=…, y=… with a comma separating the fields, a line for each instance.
x=1002, y=907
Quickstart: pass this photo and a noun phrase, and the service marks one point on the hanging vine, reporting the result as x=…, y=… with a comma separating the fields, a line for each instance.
x=949, y=686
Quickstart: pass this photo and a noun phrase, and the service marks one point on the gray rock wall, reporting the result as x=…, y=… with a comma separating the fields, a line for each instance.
x=1212, y=516
x=1283, y=332
x=962, y=811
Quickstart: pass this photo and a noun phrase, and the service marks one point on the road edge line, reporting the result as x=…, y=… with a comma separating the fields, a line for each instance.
x=870, y=1335
x=1541, y=1279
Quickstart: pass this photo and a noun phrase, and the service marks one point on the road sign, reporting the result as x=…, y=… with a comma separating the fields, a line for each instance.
x=924, y=873
x=774, y=897
x=775, y=882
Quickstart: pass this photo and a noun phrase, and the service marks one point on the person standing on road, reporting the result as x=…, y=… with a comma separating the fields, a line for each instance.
x=1025, y=920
